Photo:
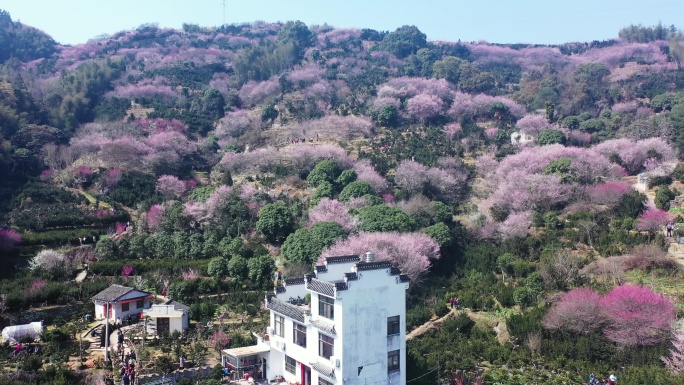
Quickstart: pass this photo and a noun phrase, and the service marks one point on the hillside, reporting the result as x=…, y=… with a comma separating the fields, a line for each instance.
x=532, y=182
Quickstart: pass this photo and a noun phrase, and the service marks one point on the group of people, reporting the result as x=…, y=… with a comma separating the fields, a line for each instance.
x=127, y=369
x=609, y=380
x=302, y=140
x=28, y=349
x=455, y=303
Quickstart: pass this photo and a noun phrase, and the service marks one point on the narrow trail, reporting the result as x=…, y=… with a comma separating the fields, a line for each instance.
x=430, y=325
x=499, y=327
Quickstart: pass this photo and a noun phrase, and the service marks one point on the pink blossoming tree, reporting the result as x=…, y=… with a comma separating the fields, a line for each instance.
x=170, y=186
x=410, y=252
x=637, y=316
x=9, y=239
x=652, y=220
x=577, y=310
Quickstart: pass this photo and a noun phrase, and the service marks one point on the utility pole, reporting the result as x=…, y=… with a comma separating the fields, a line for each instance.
x=107, y=333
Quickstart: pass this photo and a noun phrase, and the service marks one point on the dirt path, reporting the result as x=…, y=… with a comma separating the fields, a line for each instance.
x=500, y=328
x=430, y=325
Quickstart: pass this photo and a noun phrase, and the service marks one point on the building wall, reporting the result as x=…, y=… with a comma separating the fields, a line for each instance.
x=360, y=338
x=117, y=309
x=365, y=308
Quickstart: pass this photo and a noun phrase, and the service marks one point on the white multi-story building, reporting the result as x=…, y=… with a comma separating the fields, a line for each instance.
x=345, y=325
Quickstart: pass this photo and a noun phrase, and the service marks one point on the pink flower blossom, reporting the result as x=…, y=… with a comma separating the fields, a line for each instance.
x=410, y=252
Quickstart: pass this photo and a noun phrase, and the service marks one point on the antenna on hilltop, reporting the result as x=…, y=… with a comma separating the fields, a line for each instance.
x=224, y=12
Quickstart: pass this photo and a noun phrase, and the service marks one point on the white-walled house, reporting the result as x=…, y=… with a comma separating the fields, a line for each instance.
x=352, y=332
x=123, y=301
x=520, y=137
x=167, y=318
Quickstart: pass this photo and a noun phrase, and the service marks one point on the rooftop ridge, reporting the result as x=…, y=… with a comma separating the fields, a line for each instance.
x=286, y=309
x=373, y=265
x=294, y=281
x=342, y=259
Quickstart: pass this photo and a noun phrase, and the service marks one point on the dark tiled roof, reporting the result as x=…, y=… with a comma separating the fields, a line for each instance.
x=323, y=287
x=114, y=292
x=351, y=276
x=342, y=259
x=178, y=306
x=286, y=309
x=341, y=285
x=322, y=324
x=321, y=268
x=404, y=278
x=294, y=281
x=373, y=265
x=395, y=271
x=323, y=369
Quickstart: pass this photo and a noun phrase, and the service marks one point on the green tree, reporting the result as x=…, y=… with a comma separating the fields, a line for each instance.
x=473, y=80
x=324, y=190
x=505, y=262
x=324, y=171
x=441, y=234
x=631, y=205
x=677, y=118
x=592, y=125
x=356, y=189
x=385, y=218
x=260, y=269
x=196, y=246
x=137, y=247
x=164, y=245
x=104, y=249
x=218, y=268
x=663, y=198
x=297, y=34
x=305, y=245
x=213, y=104
x=275, y=221
x=237, y=268
x=386, y=116
x=561, y=167
x=406, y=40
x=448, y=68
x=269, y=112
x=346, y=177
x=181, y=245
x=572, y=122
x=551, y=136
x=677, y=49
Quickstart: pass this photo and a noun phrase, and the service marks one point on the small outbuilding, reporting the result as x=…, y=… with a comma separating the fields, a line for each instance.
x=521, y=137
x=167, y=318
x=13, y=334
x=121, y=301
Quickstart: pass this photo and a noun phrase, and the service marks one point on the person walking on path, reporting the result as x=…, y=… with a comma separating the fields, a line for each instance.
x=451, y=302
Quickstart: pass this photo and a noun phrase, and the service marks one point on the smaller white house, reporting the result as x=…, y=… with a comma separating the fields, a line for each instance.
x=167, y=318
x=121, y=301
x=520, y=137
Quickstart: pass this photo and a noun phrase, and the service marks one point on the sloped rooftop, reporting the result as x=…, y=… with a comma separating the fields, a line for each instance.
x=114, y=292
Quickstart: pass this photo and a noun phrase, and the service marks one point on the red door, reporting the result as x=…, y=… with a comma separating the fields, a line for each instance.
x=104, y=311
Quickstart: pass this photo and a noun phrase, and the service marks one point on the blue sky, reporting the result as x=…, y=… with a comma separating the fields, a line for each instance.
x=497, y=21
